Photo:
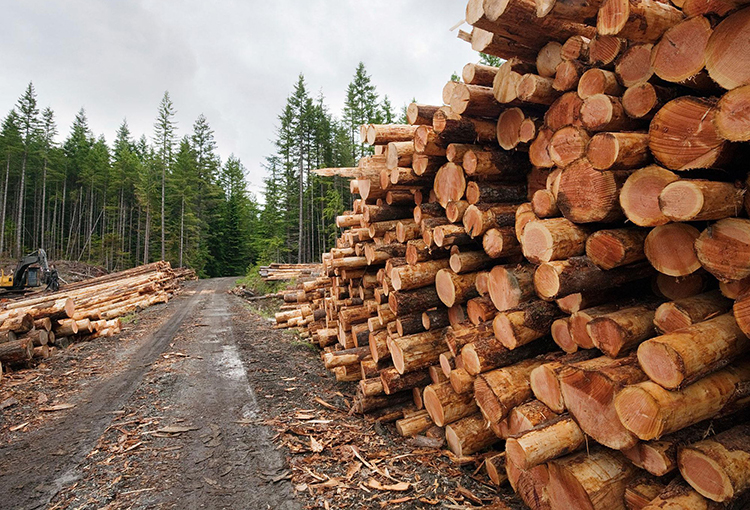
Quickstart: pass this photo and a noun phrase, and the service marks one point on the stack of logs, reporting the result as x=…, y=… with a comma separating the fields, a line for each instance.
x=284, y=272
x=554, y=266
x=34, y=327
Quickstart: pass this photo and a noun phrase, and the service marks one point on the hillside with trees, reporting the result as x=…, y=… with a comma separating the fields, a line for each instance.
x=169, y=195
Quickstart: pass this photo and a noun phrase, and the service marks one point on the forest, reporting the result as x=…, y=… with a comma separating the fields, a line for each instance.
x=170, y=196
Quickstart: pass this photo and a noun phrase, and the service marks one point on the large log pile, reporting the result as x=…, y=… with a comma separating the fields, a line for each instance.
x=284, y=272
x=34, y=327
x=554, y=265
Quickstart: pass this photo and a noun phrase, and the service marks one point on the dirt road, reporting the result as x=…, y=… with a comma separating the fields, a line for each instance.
x=173, y=424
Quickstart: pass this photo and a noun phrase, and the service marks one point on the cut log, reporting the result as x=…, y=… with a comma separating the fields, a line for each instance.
x=450, y=235
x=643, y=100
x=680, y=55
x=420, y=114
x=604, y=50
x=545, y=382
x=461, y=381
x=622, y=150
x=514, y=328
x=416, y=352
x=480, y=218
x=575, y=47
x=567, y=145
x=659, y=457
x=717, y=467
x=601, y=112
x=486, y=353
x=678, y=495
x=474, y=100
x=550, y=440
x=686, y=312
x=527, y=416
x=682, y=135
x=393, y=381
x=593, y=480
x=560, y=331
x=480, y=309
x=463, y=129
x=669, y=249
x=727, y=50
x=616, y=247
x=731, y=119
x=538, y=150
x=450, y=184
x=380, y=134
x=568, y=75
x=536, y=89
x=446, y=405
x=577, y=274
x=599, y=81
x=478, y=74
x=406, y=302
x=417, y=275
x=453, y=288
x=16, y=350
x=723, y=249
x=509, y=286
x=499, y=391
x=544, y=204
x=650, y=411
x=553, y=239
x=617, y=332
x=682, y=357
x=634, y=66
x=639, y=196
x=469, y=435
x=487, y=192
x=414, y=424
x=641, y=21
x=566, y=111
x=496, y=163
x=435, y=319
x=589, y=389
x=501, y=242
x=587, y=195
x=699, y=200
x=409, y=324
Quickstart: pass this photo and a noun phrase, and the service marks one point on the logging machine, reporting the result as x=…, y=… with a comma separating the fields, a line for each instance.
x=32, y=271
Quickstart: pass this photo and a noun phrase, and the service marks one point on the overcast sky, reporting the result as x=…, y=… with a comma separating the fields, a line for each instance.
x=234, y=61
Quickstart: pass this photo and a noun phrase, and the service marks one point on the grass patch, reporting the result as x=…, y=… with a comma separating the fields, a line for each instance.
x=131, y=318
x=304, y=344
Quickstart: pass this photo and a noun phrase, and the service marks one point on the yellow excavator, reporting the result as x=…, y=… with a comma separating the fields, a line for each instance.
x=32, y=271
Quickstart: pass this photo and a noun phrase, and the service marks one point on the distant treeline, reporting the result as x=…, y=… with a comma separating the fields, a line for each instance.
x=138, y=199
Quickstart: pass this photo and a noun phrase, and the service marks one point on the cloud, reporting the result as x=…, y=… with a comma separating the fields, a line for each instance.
x=234, y=61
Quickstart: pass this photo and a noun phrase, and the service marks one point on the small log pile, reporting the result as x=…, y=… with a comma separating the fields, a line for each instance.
x=34, y=327
x=553, y=267
x=285, y=272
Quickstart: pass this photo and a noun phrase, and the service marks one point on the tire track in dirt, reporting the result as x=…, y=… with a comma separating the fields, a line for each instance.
x=34, y=470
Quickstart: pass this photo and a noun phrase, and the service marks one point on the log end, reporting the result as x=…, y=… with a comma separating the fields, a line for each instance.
x=662, y=364
x=705, y=475
x=434, y=407
x=639, y=412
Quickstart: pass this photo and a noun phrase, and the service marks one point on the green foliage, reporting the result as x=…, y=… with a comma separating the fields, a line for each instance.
x=490, y=60
x=455, y=77
x=253, y=281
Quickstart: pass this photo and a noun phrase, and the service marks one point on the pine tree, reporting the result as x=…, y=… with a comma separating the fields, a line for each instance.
x=360, y=107
x=164, y=138
x=29, y=123
x=49, y=131
x=236, y=254
x=388, y=115
x=12, y=145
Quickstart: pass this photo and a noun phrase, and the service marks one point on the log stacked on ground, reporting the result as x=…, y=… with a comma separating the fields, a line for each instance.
x=567, y=195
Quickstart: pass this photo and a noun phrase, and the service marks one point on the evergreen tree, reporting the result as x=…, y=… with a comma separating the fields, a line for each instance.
x=360, y=107
x=388, y=115
x=28, y=115
x=164, y=137
x=12, y=146
x=48, y=132
x=236, y=254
